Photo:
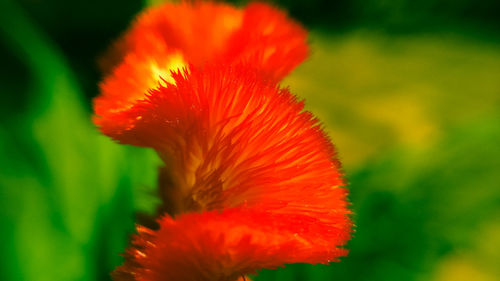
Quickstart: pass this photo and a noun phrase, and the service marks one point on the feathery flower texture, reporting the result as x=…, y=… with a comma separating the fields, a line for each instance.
x=250, y=180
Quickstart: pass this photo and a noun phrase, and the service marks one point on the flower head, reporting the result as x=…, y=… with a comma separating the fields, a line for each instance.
x=250, y=180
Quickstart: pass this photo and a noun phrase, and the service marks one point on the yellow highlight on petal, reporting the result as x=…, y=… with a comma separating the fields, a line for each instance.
x=163, y=72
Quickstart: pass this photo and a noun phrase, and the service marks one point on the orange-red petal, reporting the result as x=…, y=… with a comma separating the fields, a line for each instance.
x=222, y=246
x=197, y=29
x=171, y=36
x=131, y=80
x=269, y=40
x=205, y=31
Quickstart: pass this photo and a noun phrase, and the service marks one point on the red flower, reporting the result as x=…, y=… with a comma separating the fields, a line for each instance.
x=250, y=178
x=172, y=36
x=245, y=151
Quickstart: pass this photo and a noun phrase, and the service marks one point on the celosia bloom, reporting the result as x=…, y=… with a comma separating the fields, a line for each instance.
x=250, y=179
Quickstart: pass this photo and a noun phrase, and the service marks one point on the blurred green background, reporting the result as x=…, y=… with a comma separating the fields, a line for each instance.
x=409, y=92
